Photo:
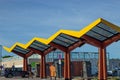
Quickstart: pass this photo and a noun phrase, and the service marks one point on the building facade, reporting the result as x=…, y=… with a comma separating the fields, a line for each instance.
x=79, y=57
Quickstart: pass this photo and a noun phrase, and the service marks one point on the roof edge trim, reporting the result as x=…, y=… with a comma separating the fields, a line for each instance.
x=11, y=48
x=89, y=27
x=113, y=26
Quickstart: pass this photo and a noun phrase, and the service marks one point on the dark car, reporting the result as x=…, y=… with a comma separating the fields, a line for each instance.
x=9, y=73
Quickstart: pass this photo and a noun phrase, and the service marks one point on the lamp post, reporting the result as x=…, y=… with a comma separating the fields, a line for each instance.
x=60, y=65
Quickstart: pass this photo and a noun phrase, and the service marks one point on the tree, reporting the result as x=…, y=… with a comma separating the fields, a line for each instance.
x=7, y=56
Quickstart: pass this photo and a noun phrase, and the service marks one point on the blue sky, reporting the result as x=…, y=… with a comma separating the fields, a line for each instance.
x=21, y=20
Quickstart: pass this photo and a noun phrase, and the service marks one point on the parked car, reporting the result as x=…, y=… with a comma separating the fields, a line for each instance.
x=9, y=73
x=110, y=73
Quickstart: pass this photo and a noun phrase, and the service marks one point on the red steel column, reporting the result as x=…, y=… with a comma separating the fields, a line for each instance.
x=25, y=64
x=102, y=67
x=67, y=69
x=104, y=64
x=42, y=67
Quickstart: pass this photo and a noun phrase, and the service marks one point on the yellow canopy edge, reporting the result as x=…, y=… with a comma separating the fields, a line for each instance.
x=113, y=26
x=77, y=34
x=11, y=48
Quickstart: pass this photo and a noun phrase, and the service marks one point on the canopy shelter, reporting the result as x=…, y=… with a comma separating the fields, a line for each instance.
x=66, y=43
x=63, y=42
x=34, y=47
x=42, y=49
x=24, y=53
x=99, y=33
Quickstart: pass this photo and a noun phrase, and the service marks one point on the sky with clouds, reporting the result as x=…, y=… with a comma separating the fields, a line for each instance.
x=21, y=20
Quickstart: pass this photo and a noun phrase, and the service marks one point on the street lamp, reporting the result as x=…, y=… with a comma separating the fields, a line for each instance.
x=60, y=64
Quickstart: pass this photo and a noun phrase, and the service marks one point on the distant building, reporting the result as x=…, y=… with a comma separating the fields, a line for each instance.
x=114, y=64
x=92, y=57
x=80, y=56
x=18, y=61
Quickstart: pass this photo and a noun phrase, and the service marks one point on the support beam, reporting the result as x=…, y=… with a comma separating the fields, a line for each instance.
x=92, y=41
x=77, y=44
x=62, y=48
x=67, y=69
x=102, y=66
x=42, y=61
x=111, y=40
x=49, y=50
x=18, y=53
x=29, y=53
x=25, y=64
x=42, y=67
x=36, y=51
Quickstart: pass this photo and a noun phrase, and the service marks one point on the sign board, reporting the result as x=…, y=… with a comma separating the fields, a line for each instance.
x=33, y=64
x=59, y=61
x=59, y=56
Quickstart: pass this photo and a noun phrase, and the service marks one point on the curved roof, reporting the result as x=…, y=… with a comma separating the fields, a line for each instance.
x=99, y=30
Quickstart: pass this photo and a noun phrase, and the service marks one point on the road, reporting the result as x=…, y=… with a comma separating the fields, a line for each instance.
x=19, y=78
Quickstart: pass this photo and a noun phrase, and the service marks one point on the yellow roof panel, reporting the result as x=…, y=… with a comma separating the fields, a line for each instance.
x=76, y=34
x=11, y=48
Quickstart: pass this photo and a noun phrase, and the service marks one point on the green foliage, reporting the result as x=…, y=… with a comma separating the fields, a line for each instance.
x=7, y=56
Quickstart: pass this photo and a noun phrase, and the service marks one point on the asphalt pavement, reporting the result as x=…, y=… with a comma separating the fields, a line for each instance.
x=35, y=78
x=20, y=78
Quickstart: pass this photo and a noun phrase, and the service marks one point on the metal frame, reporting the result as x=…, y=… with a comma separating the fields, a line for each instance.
x=25, y=57
x=82, y=34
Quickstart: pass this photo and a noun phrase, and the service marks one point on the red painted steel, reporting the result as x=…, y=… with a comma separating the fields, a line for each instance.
x=25, y=64
x=49, y=50
x=36, y=51
x=29, y=53
x=18, y=53
x=42, y=67
x=102, y=65
x=25, y=56
x=62, y=48
x=42, y=62
x=92, y=41
x=67, y=70
x=79, y=43
x=111, y=40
